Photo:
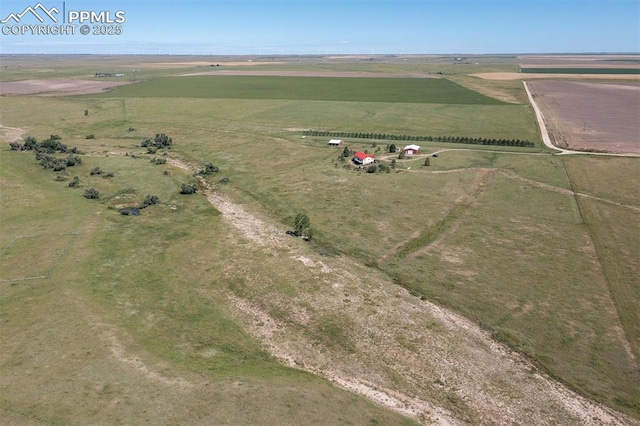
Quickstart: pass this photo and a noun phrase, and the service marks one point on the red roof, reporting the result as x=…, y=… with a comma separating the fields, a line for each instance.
x=361, y=155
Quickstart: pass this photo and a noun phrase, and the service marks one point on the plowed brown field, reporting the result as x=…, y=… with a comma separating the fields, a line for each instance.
x=57, y=86
x=591, y=116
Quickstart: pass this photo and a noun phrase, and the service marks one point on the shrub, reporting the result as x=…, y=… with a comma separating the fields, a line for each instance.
x=209, y=169
x=59, y=165
x=75, y=182
x=73, y=160
x=150, y=200
x=158, y=161
x=96, y=171
x=91, y=194
x=90, y=136
x=372, y=168
x=188, y=189
x=159, y=141
x=163, y=141
x=30, y=143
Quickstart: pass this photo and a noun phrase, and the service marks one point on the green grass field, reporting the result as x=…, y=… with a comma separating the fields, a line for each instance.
x=137, y=313
x=390, y=90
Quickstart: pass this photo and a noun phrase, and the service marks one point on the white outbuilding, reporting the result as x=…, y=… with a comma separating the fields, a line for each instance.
x=411, y=150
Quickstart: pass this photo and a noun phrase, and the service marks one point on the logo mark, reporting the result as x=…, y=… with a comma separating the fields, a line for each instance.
x=34, y=11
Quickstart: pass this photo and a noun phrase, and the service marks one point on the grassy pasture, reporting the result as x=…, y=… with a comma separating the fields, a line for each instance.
x=521, y=263
x=466, y=232
x=135, y=315
x=45, y=251
x=405, y=90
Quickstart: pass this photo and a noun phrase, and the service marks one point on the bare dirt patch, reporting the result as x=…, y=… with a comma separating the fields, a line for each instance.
x=354, y=74
x=587, y=115
x=10, y=134
x=57, y=86
x=532, y=76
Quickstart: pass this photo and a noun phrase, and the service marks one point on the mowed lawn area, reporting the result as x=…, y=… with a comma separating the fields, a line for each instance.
x=405, y=90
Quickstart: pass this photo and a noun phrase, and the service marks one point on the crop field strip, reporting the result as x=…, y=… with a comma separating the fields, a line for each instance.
x=580, y=70
x=403, y=90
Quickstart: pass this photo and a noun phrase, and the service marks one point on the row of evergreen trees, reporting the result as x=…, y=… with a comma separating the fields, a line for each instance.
x=413, y=138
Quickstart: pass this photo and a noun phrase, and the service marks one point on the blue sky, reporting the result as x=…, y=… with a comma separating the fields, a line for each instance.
x=337, y=27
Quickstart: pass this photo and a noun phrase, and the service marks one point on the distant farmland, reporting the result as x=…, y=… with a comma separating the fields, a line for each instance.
x=579, y=70
x=405, y=90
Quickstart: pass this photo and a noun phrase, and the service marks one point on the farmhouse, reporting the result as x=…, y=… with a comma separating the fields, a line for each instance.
x=335, y=142
x=362, y=159
x=411, y=150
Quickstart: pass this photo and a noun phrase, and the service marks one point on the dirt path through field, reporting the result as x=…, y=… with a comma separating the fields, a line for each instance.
x=401, y=352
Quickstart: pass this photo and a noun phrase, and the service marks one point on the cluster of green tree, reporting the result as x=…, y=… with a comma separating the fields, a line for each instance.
x=45, y=152
x=412, y=138
x=49, y=146
x=160, y=141
x=49, y=161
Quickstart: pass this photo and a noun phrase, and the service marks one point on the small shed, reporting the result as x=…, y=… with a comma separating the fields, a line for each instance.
x=411, y=150
x=335, y=142
x=362, y=159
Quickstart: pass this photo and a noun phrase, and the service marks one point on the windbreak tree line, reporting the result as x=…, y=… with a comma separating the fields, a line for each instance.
x=413, y=138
